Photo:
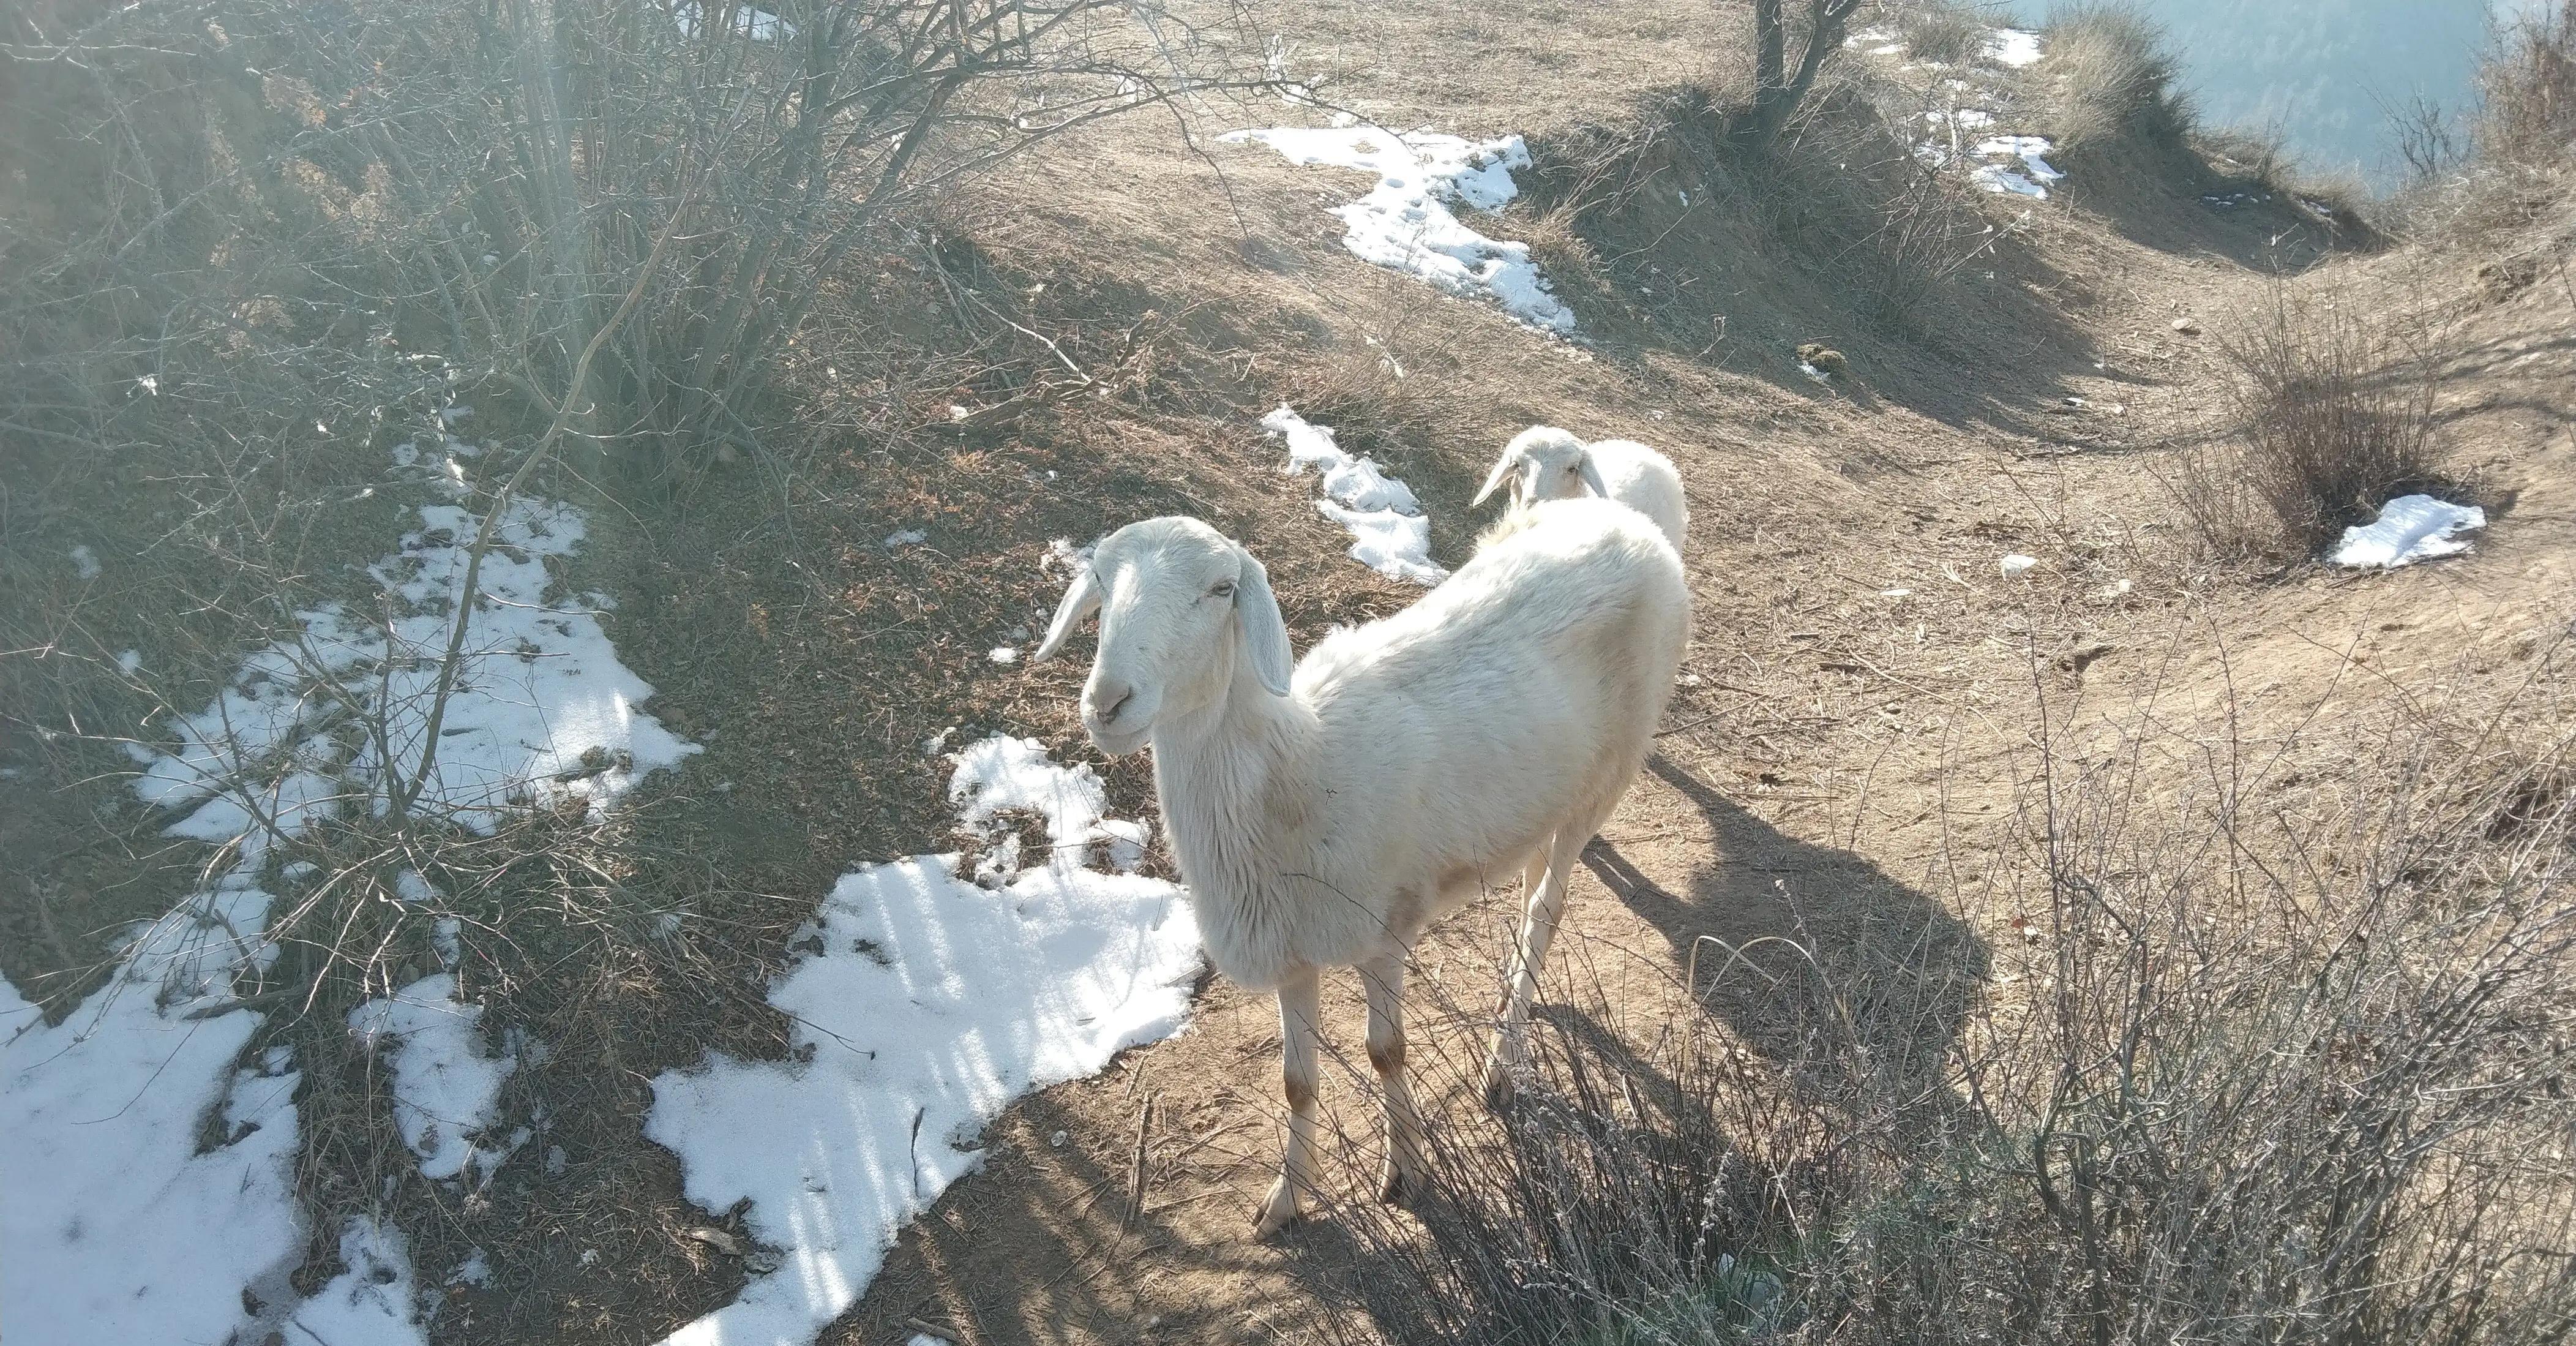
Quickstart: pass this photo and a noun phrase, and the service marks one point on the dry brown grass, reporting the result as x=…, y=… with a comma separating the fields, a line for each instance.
x=2111, y=77
x=1943, y=30
x=2527, y=113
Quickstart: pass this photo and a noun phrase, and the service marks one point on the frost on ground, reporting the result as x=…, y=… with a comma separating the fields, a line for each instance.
x=2409, y=528
x=1389, y=532
x=933, y=1003
x=1405, y=222
x=146, y=1171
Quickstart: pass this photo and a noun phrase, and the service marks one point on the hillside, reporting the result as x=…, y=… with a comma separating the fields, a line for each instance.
x=626, y=1014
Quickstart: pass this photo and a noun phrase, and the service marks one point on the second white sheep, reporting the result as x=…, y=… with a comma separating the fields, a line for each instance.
x=1546, y=463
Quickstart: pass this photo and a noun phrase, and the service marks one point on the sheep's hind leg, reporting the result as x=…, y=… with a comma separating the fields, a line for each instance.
x=1384, y=980
x=1538, y=929
x=1299, y=1021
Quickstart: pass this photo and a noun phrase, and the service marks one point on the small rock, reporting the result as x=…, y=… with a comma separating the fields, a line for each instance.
x=2017, y=565
x=2186, y=326
x=1056, y=1141
x=722, y=1240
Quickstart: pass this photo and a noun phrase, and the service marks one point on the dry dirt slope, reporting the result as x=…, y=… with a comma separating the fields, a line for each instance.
x=1869, y=688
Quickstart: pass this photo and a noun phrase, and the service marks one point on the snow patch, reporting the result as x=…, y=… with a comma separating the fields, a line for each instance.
x=85, y=563
x=2410, y=528
x=757, y=24
x=1405, y=222
x=541, y=711
x=932, y=1004
x=446, y=1088
x=374, y=1302
x=116, y=1227
x=1389, y=532
x=2015, y=47
x=2030, y=179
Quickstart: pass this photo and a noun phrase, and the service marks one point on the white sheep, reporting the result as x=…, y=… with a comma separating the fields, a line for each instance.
x=1324, y=816
x=1545, y=463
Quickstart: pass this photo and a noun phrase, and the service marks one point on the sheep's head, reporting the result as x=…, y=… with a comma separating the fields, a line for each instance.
x=1182, y=607
x=1544, y=463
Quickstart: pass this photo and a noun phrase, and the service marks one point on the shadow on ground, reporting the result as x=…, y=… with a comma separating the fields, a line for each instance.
x=1813, y=955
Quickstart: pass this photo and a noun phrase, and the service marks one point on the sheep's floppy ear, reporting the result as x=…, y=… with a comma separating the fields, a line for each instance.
x=1265, y=634
x=1503, y=469
x=1080, y=601
x=1592, y=475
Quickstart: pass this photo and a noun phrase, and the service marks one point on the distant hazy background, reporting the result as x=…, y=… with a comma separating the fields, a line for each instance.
x=2318, y=70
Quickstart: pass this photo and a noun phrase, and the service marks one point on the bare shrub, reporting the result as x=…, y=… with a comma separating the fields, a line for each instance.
x=2500, y=167
x=489, y=177
x=2430, y=146
x=2335, y=418
x=2254, y=1071
x=2228, y=517
x=2528, y=86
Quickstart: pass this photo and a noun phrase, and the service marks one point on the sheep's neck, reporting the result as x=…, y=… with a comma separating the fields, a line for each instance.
x=1217, y=772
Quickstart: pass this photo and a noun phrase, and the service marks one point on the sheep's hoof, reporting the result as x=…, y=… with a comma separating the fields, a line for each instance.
x=1278, y=1210
x=1401, y=1188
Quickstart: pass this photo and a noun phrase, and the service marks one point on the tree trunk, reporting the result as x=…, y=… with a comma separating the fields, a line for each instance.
x=1776, y=93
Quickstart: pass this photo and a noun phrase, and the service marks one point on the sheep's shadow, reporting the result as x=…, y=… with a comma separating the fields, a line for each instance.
x=1812, y=955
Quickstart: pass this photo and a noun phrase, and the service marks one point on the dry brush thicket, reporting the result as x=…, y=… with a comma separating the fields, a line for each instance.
x=2240, y=1070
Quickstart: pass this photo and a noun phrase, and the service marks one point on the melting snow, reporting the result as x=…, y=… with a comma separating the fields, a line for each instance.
x=1389, y=532
x=85, y=563
x=446, y=1087
x=2015, y=47
x=1405, y=222
x=932, y=1005
x=541, y=710
x=2410, y=528
x=370, y=1304
x=116, y=1225
x=2003, y=178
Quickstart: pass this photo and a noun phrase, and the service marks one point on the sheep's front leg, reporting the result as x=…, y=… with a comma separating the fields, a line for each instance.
x=1299, y=1021
x=1538, y=929
x=1384, y=980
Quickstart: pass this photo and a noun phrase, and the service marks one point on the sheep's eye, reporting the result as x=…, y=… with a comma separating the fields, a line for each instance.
x=1223, y=589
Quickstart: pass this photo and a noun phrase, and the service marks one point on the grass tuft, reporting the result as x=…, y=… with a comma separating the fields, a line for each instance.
x=2335, y=419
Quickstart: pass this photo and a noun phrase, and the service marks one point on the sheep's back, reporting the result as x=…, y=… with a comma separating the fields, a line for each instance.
x=1523, y=681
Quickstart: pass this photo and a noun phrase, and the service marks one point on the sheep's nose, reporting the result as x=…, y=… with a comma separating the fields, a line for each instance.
x=1109, y=699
